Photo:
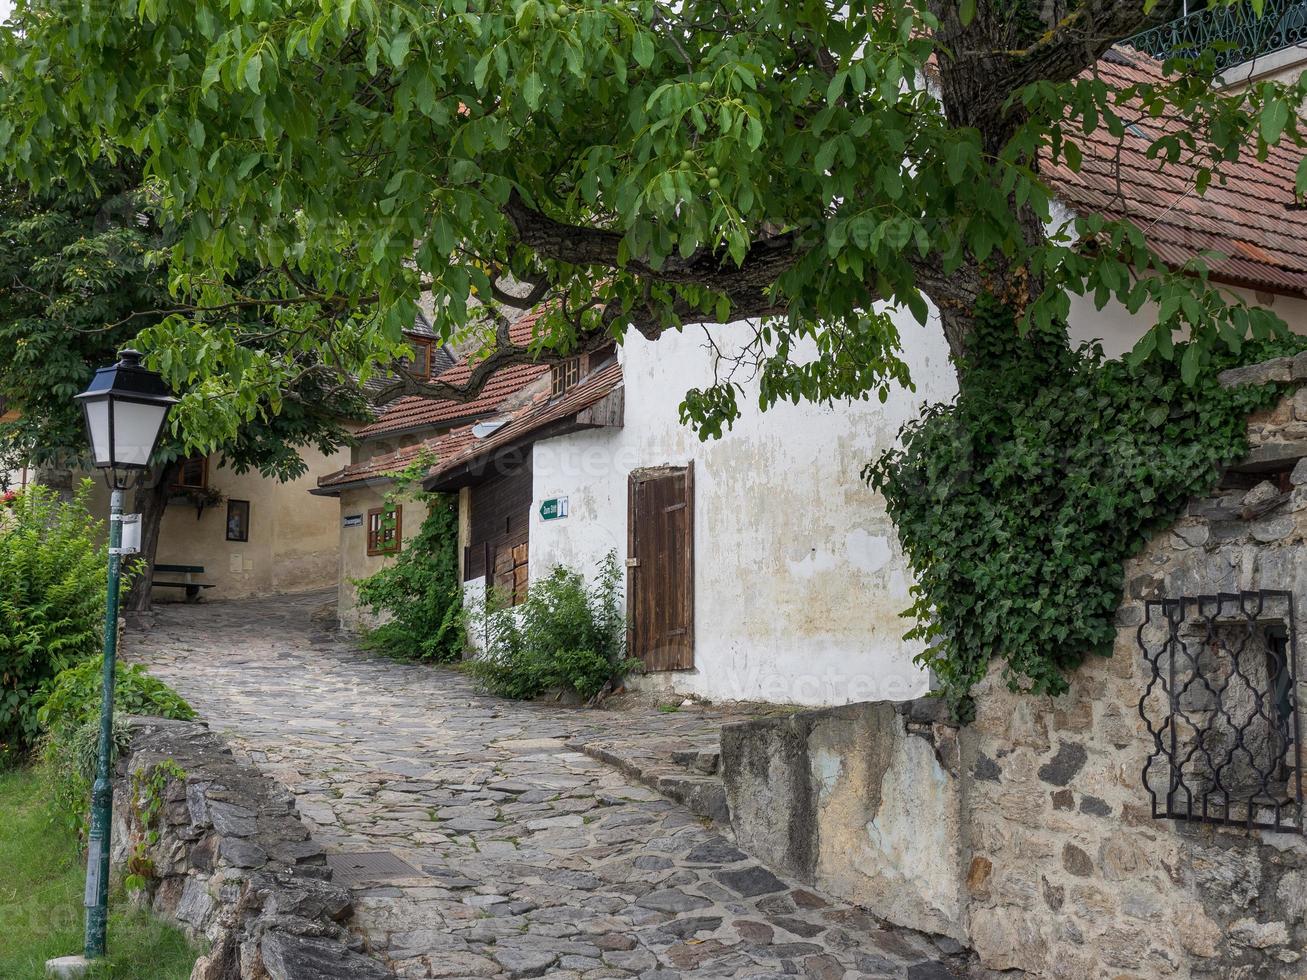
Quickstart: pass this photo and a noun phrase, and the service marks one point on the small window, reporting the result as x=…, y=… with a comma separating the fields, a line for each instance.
x=193, y=473
x=385, y=530
x=424, y=353
x=565, y=375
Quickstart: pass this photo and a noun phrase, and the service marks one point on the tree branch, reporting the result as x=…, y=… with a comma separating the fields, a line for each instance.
x=1082, y=37
x=766, y=260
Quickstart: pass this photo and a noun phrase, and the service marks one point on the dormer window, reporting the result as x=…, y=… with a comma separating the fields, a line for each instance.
x=423, y=365
x=565, y=374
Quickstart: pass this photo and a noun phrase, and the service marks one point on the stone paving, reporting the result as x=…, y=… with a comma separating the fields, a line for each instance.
x=530, y=859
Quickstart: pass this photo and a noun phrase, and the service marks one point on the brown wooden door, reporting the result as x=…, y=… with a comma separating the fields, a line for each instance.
x=660, y=586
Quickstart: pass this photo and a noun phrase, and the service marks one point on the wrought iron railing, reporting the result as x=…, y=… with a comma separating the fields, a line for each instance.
x=1222, y=709
x=1235, y=33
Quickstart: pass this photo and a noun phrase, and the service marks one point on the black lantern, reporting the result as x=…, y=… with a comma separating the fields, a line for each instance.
x=126, y=406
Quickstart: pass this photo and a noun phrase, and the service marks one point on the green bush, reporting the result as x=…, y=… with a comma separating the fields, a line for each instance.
x=421, y=592
x=564, y=635
x=70, y=714
x=73, y=698
x=52, y=592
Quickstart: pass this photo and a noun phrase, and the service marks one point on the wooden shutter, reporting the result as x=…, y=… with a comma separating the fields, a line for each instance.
x=660, y=586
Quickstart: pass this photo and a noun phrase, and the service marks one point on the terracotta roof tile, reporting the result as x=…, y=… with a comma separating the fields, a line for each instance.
x=381, y=467
x=416, y=412
x=1248, y=217
x=530, y=420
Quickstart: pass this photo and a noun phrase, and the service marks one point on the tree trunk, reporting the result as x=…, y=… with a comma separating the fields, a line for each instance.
x=151, y=501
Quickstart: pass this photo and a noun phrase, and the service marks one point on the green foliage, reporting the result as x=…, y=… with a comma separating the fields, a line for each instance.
x=421, y=591
x=67, y=759
x=1017, y=504
x=375, y=150
x=73, y=698
x=52, y=593
x=565, y=635
x=83, y=273
x=69, y=714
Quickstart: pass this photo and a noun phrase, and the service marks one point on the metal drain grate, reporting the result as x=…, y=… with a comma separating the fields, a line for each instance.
x=367, y=866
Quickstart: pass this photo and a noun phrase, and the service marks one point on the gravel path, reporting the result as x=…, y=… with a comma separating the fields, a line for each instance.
x=524, y=858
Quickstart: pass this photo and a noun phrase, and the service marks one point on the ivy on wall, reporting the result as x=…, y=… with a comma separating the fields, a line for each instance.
x=421, y=591
x=1017, y=504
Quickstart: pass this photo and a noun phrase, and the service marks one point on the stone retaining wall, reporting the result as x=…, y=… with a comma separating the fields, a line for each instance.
x=1029, y=835
x=226, y=856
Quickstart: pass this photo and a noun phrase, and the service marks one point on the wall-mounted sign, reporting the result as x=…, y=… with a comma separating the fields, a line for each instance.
x=553, y=509
x=353, y=520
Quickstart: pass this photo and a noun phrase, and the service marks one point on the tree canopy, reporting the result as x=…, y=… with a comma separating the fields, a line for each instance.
x=636, y=164
x=76, y=269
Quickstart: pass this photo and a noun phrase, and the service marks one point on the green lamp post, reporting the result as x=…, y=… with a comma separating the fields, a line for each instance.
x=126, y=406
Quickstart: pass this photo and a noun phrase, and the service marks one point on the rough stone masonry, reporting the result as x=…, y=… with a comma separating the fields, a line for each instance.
x=1029, y=835
x=223, y=852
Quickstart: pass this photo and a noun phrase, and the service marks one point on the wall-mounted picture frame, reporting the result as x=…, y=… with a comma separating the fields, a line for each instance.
x=238, y=520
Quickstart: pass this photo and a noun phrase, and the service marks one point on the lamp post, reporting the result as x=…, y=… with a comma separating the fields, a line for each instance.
x=125, y=406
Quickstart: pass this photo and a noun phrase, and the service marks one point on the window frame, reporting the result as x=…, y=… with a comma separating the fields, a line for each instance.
x=379, y=543
x=245, y=522
x=564, y=375
x=423, y=354
x=182, y=464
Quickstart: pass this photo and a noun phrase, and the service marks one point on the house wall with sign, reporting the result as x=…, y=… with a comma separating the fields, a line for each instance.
x=798, y=576
x=357, y=561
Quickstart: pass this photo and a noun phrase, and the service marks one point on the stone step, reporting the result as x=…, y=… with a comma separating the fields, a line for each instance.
x=704, y=796
x=707, y=761
x=688, y=776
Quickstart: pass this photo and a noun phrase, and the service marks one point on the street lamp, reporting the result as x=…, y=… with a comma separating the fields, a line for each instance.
x=126, y=406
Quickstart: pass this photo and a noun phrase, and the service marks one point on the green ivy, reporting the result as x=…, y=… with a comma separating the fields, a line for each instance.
x=421, y=592
x=1017, y=504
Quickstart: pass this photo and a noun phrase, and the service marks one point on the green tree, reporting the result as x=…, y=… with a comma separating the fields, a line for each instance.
x=643, y=164
x=82, y=272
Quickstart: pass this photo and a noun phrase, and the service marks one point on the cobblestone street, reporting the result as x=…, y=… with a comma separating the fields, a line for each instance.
x=528, y=858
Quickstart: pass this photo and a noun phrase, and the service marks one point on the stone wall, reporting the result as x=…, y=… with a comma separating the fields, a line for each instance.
x=1029, y=835
x=844, y=799
x=225, y=855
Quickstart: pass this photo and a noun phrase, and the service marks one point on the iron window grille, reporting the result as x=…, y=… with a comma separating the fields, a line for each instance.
x=1235, y=32
x=1222, y=708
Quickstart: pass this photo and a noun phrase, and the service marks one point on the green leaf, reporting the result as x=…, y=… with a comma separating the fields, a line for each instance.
x=1275, y=114
x=532, y=89
x=253, y=71
x=642, y=49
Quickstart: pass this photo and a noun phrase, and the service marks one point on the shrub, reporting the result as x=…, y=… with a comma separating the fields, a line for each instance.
x=70, y=714
x=564, y=635
x=52, y=592
x=421, y=592
x=73, y=698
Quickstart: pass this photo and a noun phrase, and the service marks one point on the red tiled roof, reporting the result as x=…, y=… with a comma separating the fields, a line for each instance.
x=380, y=467
x=459, y=447
x=1248, y=218
x=416, y=412
x=530, y=420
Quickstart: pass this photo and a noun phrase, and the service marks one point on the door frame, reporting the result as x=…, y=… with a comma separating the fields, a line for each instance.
x=634, y=479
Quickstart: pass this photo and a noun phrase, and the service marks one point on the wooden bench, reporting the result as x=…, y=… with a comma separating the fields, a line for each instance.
x=188, y=583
